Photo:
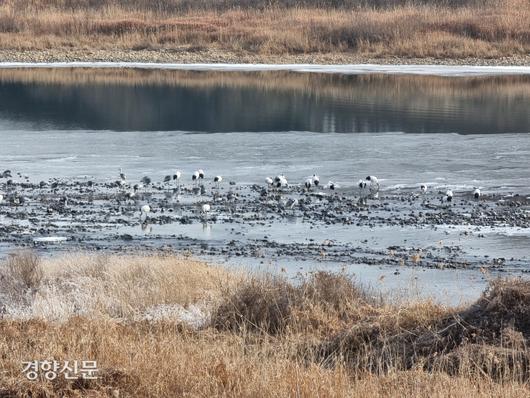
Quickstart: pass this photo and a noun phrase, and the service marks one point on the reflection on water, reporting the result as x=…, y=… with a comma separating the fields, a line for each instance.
x=150, y=100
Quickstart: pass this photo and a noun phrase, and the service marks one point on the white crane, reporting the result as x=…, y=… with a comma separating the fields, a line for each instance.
x=205, y=210
x=144, y=211
x=373, y=186
x=280, y=181
x=477, y=193
x=195, y=176
x=176, y=178
x=449, y=195
x=122, y=176
x=364, y=190
x=331, y=185
x=122, y=182
x=218, y=180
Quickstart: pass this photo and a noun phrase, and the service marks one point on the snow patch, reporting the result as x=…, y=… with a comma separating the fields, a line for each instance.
x=193, y=316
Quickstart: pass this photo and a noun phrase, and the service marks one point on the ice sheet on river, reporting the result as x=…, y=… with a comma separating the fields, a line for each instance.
x=439, y=70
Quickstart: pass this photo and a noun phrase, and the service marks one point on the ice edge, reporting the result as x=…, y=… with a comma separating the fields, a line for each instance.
x=439, y=70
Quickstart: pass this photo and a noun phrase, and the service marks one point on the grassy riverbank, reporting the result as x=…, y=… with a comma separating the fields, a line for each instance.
x=349, y=31
x=168, y=326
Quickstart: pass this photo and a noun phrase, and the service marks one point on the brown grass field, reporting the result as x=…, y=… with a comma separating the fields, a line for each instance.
x=230, y=29
x=166, y=326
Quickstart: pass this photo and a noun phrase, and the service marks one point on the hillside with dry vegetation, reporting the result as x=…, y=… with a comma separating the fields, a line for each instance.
x=275, y=31
x=162, y=326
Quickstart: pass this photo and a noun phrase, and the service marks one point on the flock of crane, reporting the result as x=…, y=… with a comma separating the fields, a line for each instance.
x=368, y=188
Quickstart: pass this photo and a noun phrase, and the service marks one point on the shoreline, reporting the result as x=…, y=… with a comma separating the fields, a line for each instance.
x=183, y=59
x=350, y=69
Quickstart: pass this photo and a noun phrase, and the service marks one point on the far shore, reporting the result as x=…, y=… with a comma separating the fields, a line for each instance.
x=154, y=60
x=186, y=56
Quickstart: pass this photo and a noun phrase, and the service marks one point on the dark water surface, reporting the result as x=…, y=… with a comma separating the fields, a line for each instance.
x=262, y=102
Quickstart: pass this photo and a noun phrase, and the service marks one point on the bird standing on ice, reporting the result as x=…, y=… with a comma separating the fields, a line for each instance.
x=423, y=189
x=201, y=174
x=373, y=187
x=177, y=175
x=280, y=181
x=195, y=176
x=331, y=185
x=476, y=193
x=176, y=178
x=205, y=210
x=218, y=180
x=315, y=180
x=123, y=179
x=449, y=196
x=122, y=176
x=308, y=183
x=364, y=190
x=144, y=211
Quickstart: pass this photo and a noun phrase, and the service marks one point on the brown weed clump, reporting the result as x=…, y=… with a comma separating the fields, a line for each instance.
x=490, y=338
x=25, y=268
x=20, y=278
x=323, y=301
x=263, y=305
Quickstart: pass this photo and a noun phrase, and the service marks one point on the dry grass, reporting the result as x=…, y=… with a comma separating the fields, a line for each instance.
x=129, y=287
x=24, y=267
x=260, y=335
x=489, y=29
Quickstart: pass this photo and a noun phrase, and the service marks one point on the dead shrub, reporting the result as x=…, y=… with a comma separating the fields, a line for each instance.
x=270, y=304
x=490, y=338
x=337, y=292
x=259, y=304
x=25, y=267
